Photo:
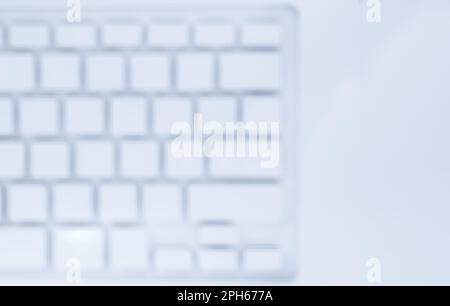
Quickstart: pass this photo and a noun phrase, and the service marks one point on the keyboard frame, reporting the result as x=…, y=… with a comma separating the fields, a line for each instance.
x=290, y=17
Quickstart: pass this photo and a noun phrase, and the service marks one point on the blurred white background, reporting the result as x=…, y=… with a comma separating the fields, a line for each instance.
x=375, y=141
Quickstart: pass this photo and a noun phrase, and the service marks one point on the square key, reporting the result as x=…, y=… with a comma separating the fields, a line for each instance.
x=38, y=117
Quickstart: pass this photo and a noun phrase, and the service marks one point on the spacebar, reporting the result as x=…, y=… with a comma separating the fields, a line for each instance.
x=22, y=249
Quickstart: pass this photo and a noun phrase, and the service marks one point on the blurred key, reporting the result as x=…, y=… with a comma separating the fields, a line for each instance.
x=84, y=116
x=94, y=159
x=29, y=36
x=162, y=203
x=150, y=72
x=250, y=71
x=122, y=35
x=129, y=249
x=182, y=167
x=38, y=116
x=218, y=260
x=214, y=35
x=195, y=72
x=118, y=202
x=17, y=72
x=168, y=35
x=128, y=116
x=173, y=260
x=60, y=71
x=73, y=202
x=28, y=203
x=98, y=64
x=75, y=36
x=86, y=245
x=139, y=159
x=49, y=160
x=23, y=249
x=168, y=111
x=261, y=34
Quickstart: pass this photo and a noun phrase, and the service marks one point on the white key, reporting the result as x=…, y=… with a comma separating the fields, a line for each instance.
x=60, y=71
x=73, y=203
x=173, y=260
x=94, y=159
x=84, y=116
x=84, y=245
x=214, y=35
x=182, y=167
x=170, y=234
x=129, y=116
x=150, y=72
x=23, y=249
x=80, y=36
x=218, y=260
x=218, y=235
x=261, y=35
x=29, y=36
x=105, y=72
x=262, y=109
x=139, y=159
x=221, y=110
x=12, y=159
x=195, y=72
x=129, y=250
x=27, y=203
x=168, y=35
x=162, y=203
x=260, y=260
x=7, y=120
x=122, y=35
x=250, y=71
x=17, y=73
x=38, y=116
x=167, y=111
x=49, y=160
x=118, y=203
x=263, y=234
x=239, y=203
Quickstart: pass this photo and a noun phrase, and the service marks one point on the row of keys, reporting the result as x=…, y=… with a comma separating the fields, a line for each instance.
x=141, y=71
x=128, y=159
x=129, y=35
x=128, y=251
x=126, y=116
x=122, y=203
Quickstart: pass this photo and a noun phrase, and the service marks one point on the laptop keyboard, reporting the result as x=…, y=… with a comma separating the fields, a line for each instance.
x=86, y=169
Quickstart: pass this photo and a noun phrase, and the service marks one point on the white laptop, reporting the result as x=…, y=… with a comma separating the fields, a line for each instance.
x=144, y=141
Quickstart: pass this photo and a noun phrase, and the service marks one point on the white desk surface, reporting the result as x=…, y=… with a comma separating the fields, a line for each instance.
x=375, y=142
